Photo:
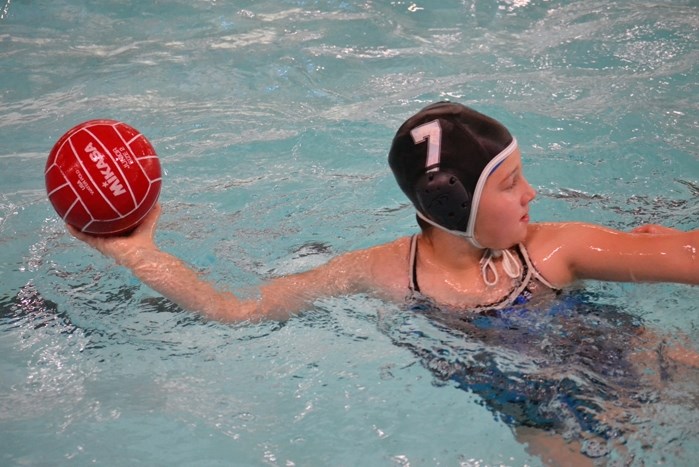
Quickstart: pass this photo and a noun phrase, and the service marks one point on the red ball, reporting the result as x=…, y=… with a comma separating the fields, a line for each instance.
x=103, y=177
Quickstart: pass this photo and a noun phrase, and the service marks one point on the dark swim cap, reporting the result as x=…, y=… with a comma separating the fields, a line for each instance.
x=441, y=158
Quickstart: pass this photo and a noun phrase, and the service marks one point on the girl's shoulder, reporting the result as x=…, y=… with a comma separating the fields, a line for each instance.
x=549, y=247
x=382, y=269
x=557, y=234
x=378, y=263
x=395, y=250
x=389, y=257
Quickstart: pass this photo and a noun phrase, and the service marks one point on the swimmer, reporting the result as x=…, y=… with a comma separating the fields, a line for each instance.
x=477, y=248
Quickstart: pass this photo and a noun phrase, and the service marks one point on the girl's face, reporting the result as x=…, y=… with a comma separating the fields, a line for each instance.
x=503, y=211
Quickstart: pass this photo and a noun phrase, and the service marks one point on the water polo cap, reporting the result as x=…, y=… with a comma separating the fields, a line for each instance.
x=441, y=158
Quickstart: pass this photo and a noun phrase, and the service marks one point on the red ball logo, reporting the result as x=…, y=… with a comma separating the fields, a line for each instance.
x=103, y=177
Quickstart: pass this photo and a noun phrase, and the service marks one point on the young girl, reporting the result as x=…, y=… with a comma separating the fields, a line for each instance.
x=477, y=260
x=477, y=249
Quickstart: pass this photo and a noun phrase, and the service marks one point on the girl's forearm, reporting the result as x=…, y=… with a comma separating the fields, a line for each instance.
x=171, y=277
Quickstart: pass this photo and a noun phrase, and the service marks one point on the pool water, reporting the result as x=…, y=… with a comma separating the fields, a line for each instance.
x=272, y=121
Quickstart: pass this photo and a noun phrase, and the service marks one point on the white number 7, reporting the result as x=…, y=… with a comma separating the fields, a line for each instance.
x=432, y=132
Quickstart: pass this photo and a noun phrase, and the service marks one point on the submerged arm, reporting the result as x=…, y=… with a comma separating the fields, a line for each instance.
x=171, y=277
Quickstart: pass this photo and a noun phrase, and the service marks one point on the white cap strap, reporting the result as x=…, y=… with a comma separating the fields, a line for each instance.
x=487, y=171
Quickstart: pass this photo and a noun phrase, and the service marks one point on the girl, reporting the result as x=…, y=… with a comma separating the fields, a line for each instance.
x=473, y=267
x=477, y=249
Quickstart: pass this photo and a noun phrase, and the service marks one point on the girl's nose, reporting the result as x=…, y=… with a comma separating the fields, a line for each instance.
x=530, y=193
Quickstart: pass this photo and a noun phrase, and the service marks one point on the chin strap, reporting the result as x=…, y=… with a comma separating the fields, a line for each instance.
x=509, y=263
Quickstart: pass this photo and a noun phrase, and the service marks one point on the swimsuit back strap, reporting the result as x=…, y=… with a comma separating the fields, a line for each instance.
x=412, y=272
x=533, y=268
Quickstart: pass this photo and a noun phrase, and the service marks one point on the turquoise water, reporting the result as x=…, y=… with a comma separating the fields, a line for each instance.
x=272, y=121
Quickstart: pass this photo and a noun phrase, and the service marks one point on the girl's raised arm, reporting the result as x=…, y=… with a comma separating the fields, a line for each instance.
x=171, y=277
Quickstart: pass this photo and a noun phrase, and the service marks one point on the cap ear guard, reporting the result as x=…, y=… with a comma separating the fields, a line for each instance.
x=444, y=199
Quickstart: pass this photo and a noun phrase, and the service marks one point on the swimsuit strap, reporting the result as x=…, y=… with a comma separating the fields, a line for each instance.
x=533, y=268
x=510, y=264
x=412, y=274
x=514, y=262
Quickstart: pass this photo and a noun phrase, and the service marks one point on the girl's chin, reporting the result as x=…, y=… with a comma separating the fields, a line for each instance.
x=516, y=235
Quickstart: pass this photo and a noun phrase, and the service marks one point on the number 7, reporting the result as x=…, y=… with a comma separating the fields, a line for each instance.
x=432, y=132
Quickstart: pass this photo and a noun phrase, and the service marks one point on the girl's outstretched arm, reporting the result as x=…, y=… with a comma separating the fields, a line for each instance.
x=652, y=253
x=171, y=277
x=166, y=273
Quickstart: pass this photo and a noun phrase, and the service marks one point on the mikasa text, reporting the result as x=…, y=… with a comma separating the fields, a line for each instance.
x=110, y=179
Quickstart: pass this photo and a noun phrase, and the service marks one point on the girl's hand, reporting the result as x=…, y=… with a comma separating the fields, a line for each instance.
x=654, y=229
x=122, y=247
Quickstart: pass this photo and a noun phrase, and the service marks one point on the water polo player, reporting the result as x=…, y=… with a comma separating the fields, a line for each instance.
x=478, y=244
x=477, y=250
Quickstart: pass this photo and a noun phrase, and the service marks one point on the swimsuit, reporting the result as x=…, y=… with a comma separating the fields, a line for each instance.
x=555, y=365
x=529, y=283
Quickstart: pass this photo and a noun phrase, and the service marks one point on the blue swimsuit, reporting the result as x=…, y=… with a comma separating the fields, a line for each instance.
x=562, y=334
